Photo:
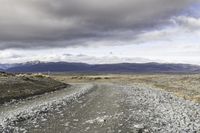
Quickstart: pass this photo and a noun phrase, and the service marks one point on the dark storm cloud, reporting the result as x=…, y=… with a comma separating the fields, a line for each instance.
x=58, y=23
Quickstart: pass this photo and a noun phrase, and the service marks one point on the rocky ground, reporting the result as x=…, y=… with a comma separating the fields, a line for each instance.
x=109, y=108
x=159, y=111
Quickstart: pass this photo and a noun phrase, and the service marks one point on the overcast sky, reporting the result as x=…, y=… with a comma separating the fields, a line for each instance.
x=94, y=31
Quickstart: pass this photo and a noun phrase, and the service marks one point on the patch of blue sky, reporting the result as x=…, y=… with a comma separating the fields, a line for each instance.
x=192, y=11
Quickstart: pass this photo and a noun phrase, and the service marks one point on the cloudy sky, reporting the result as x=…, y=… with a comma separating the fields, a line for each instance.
x=94, y=31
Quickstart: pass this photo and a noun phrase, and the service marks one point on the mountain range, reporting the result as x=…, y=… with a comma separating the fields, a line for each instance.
x=112, y=68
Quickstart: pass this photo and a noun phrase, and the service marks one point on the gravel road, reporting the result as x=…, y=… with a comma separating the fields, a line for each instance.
x=102, y=108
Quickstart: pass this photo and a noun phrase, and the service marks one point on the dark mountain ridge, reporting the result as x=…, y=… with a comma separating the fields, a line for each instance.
x=114, y=68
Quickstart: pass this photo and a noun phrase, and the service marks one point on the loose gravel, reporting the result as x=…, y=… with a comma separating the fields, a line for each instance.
x=112, y=108
x=158, y=111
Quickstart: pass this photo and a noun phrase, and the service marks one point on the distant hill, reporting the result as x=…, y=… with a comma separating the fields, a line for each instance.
x=113, y=68
x=6, y=66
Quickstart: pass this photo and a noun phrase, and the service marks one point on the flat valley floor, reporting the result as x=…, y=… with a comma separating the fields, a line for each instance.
x=111, y=103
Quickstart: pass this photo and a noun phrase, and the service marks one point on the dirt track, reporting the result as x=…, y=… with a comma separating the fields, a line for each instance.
x=111, y=108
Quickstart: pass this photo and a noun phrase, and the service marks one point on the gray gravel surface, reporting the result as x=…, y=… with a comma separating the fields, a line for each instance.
x=159, y=111
x=109, y=108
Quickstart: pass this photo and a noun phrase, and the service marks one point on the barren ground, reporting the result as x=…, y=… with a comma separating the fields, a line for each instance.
x=186, y=86
x=157, y=103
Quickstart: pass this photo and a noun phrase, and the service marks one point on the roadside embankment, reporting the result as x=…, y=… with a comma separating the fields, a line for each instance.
x=20, y=86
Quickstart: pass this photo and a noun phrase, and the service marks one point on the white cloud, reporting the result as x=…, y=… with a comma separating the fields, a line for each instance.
x=30, y=24
x=191, y=23
x=120, y=38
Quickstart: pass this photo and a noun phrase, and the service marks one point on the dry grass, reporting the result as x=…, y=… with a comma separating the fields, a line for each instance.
x=182, y=85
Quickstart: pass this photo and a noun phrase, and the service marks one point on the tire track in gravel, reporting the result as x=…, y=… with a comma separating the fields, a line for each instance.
x=99, y=111
x=13, y=113
x=115, y=108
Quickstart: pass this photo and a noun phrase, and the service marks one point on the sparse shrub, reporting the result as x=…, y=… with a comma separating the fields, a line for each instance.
x=39, y=75
x=97, y=78
x=74, y=77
